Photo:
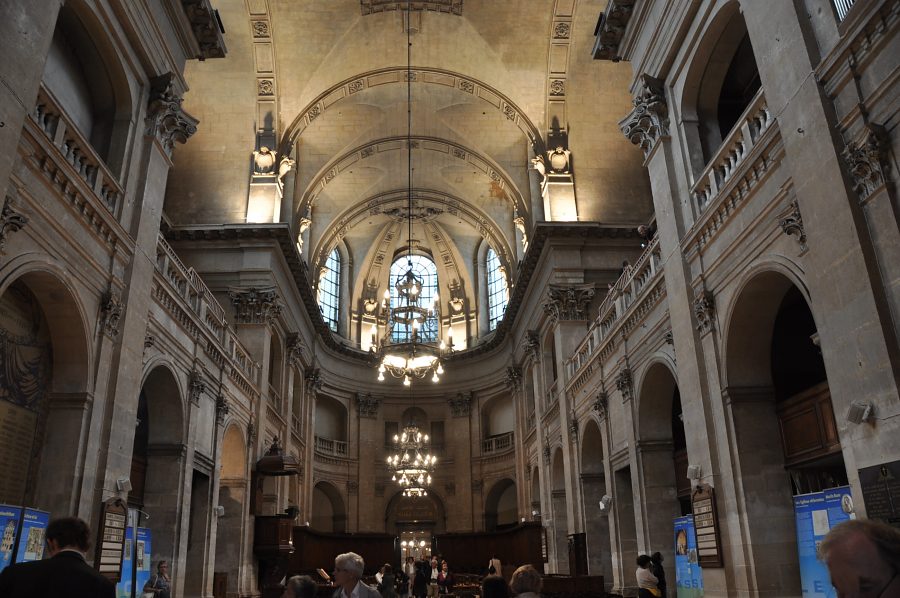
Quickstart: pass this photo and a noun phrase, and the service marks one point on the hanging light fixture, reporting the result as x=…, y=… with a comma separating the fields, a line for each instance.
x=412, y=464
x=411, y=359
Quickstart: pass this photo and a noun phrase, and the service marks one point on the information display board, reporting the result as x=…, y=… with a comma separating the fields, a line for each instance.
x=10, y=521
x=31, y=537
x=688, y=574
x=706, y=525
x=111, y=539
x=142, y=558
x=816, y=513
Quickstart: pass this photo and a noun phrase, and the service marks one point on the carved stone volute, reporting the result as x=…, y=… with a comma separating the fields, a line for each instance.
x=166, y=119
x=111, y=308
x=649, y=119
x=867, y=161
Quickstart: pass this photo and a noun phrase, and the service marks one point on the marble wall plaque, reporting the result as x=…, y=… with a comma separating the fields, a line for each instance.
x=881, y=491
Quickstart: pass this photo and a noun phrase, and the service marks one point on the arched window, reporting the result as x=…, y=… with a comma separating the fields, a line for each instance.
x=497, y=290
x=330, y=290
x=401, y=326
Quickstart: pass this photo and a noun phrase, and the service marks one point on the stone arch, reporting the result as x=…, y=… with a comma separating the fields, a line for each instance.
x=655, y=447
x=500, y=509
x=427, y=513
x=47, y=381
x=767, y=471
x=498, y=415
x=593, y=488
x=724, y=38
x=397, y=75
x=331, y=418
x=328, y=512
x=233, y=498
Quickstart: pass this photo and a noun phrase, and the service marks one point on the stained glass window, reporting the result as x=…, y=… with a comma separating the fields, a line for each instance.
x=401, y=325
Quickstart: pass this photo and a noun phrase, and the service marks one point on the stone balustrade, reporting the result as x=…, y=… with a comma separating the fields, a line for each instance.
x=497, y=444
x=330, y=447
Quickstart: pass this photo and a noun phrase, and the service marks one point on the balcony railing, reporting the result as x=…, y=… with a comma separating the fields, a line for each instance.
x=497, y=444
x=755, y=121
x=627, y=289
x=76, y=150
x=842, y=7
x=331, y=448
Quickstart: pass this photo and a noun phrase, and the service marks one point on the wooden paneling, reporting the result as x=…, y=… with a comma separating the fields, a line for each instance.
x=313, y=549
x=808, y=429
x=470, y=552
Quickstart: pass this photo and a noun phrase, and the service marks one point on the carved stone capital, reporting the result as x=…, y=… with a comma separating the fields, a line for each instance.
x=222, y=409
x=196, y=386
x=546, y=453
x=111, y=309
x=573, y=430
x=461, y=406
x=514, y=378
x=295, y=349
x=611, y=28
x=532, y=345
x=867, y=161
x=601, y=403
x=251, y=432
x=624, y=384
x=166, y=119
x=792, y=224
x=649, y=119
x=568, y=302
x=10, y=221
x=367, y=405
x=704, y=307
x=205, y=26
x=313, y=380
x=255, y=306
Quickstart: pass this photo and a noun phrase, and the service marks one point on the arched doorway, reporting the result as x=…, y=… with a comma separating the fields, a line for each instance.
x=415, y=520
x=233, y=487
x=44, y=401
x=500, y=508
x=593, y=488
x=785, y=438
x=328, y=513
x=558, y=504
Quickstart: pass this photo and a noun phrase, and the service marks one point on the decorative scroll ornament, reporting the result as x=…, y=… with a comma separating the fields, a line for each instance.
x=166, y=119
x=367, y=405
x=514, y=378
x=10, y=221
x=532, y=345
x=792, y=224
x=649, y=119
x=519, y=222
x=461, y=406
x=704, y=306
x=623, y=384
x=867, y=161
x=538, y=164
x=222, y=409
x=196, y=386
x=111, y=309
x=255, y=306
x=601, y=404
x=568, y=303
x=295, y=349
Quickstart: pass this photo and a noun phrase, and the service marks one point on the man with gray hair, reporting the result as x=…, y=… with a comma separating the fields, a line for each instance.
x=300, y=586
x=348, y=569
x=863, y=558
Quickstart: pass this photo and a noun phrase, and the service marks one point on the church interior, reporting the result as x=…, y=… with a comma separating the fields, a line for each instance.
x=558, y=281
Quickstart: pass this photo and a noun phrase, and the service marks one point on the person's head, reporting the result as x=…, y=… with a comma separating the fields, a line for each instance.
x=494, y=586
x=68, y=532
x=525, y=579
x=300, y=586
x=387, y=569
x=434, y=560
x=348, y=568
x=656, y=557
x=162, y=567
x=862, y=557
x=643, y=561
x=445, y=567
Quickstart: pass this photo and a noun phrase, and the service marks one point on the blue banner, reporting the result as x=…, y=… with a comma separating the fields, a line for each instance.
x=688, y=574
x=142, y=555
x=815, y=514
x=31, y=538
x=123, y=588
x=10, y=518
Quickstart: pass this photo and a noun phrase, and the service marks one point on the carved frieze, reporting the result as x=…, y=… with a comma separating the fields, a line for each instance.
x=166, y=119
x=569, y=302
x=10, y=221
x=367, y=405
x=704, y=306
x=461, y=406
x=255, y=306
x=624, y=384
x=792, y=224
x=454, y=7
x=649, y=119
x=867, y=161
x=111, y=308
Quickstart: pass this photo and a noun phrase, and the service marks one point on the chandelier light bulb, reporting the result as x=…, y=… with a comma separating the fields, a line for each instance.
x=437, y=298
x=387, y=294
x=435, y=378
x=440, y=368
x=406, y=381
x=380, y=377
x=443, y=345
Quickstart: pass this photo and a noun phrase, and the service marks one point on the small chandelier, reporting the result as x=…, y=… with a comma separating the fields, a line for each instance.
x=412, y=464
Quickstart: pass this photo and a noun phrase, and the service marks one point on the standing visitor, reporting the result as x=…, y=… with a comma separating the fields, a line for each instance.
x=494, y=586
x=646, y=581
x=526, y=582
x=656, y=567
x=159, y=584
x=348, y=569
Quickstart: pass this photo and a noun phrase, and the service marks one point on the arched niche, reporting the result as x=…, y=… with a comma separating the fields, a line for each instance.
x=328, y=512
x=233, y=493
x=330, y=418
x=593, y=488
x=500, y=506
x=498, y=416
x=426, y=514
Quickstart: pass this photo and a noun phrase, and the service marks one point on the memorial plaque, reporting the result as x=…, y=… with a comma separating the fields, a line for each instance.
x=881, y=491
x=706, y=526
x=110, y=549
x=17, y=426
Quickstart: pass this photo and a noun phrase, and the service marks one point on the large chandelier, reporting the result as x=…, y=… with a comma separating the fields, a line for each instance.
x=412, y=464
x=412, y=358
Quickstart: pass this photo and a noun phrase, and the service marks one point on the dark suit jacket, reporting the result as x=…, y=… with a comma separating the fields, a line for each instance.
x=65, y=574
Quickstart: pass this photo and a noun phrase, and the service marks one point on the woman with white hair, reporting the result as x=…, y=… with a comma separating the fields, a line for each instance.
x=348, y=569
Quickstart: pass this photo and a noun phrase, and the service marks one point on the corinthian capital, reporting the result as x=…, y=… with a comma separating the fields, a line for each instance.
x=166, y=119
x=570, y=302
x=255, y=306
x=649, y=119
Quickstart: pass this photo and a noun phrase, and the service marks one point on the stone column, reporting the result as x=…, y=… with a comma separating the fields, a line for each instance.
x=459, y=427
x=370, y=438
